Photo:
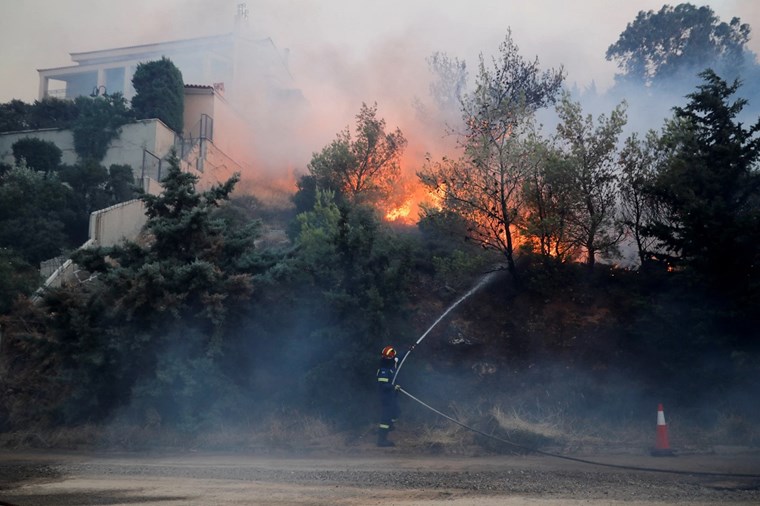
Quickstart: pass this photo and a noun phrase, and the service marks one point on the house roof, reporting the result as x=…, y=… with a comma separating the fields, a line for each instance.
x=132, y=52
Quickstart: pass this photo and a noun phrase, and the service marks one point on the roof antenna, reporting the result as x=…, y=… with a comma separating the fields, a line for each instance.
x=242, y=14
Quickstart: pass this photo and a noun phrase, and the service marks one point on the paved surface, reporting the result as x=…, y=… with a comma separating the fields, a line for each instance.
x=377, y=477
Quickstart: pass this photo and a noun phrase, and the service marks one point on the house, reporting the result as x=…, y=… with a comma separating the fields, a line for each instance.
x=144, y=145
x=238, y=80
x=239, y=64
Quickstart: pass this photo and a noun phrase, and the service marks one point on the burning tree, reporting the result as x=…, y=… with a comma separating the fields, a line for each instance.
x=483, y=185
x=362, y=169
x=548, y=195
x=588, y=155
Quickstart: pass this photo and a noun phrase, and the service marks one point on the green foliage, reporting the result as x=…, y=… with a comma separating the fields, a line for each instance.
x=46, y=113
x=306, y=193
x=678, y=41
x=332, y=302
x=457, y=270
x=37, y=154
x=359, y=169
x=88, y=180
x=158, y=314
x=35, y=213
x=14, y=116
x=121, y=183
x=549, y=197
x=52, y=112
x=99, y=122
x=710, y=189
x=42, y=215
x=640, y=161
x=159, y=93
x=589, y=153
x=483, y=186
x=17, y=277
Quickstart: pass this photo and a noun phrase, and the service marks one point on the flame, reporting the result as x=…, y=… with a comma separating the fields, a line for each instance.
x=408, y=211
x=400, y=213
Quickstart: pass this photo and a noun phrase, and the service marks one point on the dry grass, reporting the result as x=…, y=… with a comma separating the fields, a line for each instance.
x=545, y=428
x=443, y=438
x=283, y=431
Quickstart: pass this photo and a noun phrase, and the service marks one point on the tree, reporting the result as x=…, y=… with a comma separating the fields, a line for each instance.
x=37, y=154
x=121, y=183
x=448, y=87
x=155, y=326
x=640, y=161
x=483, y=186
x=14, y=116
x=51, y=112
x=678, y=41
x=709, y=188
x=99, y=122
x=159, y=93
x=338, y=294
x=548, y=196
x=589, y=156
x=17, y=277
x=88, y=180
x=362, y=169
x=36, y=212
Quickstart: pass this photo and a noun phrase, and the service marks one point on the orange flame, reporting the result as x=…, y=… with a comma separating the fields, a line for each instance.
x=400, y=213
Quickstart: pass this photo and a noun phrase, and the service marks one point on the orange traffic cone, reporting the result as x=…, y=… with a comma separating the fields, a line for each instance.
x=661, y=445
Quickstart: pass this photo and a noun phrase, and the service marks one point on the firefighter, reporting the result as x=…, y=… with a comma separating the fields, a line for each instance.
x=389, y=408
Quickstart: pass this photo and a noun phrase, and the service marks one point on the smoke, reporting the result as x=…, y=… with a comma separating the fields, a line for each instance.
x=342, y=53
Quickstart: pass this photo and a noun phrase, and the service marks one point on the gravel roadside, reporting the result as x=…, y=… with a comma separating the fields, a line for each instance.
x=24, y=477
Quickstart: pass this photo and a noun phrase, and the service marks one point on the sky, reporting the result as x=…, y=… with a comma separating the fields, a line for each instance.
x=40, y=33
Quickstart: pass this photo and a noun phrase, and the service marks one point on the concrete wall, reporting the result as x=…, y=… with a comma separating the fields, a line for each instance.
x=120, y=222
x=147, y=134
x=108, y=227
x=64, y=139
x=112, y=225
x=198, y=101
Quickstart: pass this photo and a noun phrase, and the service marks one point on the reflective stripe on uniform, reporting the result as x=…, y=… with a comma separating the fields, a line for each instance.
x=385, y=426
x=383, y=380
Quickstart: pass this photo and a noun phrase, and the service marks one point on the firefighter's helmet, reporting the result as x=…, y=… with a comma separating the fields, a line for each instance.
x=389, y=352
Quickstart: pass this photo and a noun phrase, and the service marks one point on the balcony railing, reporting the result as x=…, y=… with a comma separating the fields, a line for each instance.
x=59, y=93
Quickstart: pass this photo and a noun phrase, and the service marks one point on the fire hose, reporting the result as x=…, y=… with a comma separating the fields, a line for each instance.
x=475, y=288
x=573, y=459
x=482, y=282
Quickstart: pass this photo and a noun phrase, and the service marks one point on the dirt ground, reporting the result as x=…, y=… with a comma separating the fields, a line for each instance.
x=373, y=477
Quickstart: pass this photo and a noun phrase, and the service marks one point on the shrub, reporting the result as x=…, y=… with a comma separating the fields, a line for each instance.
x=38, y=154
x=99, y=122
x=160, y=93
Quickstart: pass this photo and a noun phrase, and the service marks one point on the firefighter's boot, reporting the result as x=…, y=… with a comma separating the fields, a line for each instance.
x=382, y=438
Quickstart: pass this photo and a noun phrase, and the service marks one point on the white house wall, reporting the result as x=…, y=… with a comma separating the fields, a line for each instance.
x=64, y=139
x=127, y=149
x=150, y=134
x=112, y=225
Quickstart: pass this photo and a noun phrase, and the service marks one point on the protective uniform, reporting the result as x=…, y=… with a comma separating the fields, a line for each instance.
x=389, y=407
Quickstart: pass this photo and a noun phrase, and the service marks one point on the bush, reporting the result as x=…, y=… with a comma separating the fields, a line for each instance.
x=38, y=154
x=52, y=113
x=160, y=93
x=99, y=122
